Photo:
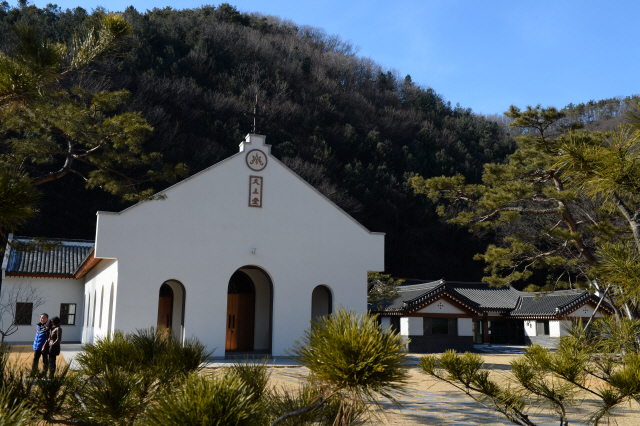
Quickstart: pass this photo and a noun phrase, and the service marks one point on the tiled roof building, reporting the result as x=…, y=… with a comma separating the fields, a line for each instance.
x=439, y=315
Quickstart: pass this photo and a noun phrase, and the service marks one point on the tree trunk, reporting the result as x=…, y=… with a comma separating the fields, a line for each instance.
x=631, y=217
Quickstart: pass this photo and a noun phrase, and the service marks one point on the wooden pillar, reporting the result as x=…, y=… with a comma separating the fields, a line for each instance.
x=485, y=330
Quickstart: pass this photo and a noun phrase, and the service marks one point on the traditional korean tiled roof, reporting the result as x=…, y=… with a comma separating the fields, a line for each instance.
x=480, y=297
x=552, y=304
x=487, y=298
x=61, y=260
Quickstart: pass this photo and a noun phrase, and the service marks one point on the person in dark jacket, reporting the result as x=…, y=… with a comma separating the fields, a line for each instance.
x=42, y=335
x=55, y=337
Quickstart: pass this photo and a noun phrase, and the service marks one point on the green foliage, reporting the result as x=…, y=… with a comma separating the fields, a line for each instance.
x=203, y=401
x=353, y=360
x=347, y=351
x=53, y=124
x=255, y=375
x=285, y=401
x=53, y=395
x=15, y=414
x=19, y=201
x=146, y=350
x=126, y=372
x=608, y=169
x=37, y=63
x=116, y=397
x=382, y=290
x=602, y=364
x=542, y=224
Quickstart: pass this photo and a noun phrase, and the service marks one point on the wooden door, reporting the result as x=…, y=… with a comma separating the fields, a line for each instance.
x=165, y=306
x=240, y=319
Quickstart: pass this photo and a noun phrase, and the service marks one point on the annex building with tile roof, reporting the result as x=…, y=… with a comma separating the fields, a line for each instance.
x=440, y=315
x=242, y=255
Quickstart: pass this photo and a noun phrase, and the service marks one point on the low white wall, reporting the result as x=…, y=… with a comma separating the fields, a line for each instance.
x=54, y=291
x=555, y=329
x=465, y=327
x=530, y=328
x=404, y=326
x=416, y=327
x=385, y=323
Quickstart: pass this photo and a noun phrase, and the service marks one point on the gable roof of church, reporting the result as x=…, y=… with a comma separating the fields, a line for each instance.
x=481, y=297
x=61, y=260
x=163, y=192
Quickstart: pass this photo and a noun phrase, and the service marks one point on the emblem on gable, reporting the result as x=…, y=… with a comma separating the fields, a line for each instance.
x=256, y=160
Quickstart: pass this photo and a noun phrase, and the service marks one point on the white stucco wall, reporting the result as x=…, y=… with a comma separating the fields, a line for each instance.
x=465, y=327
x=415, y=326
x=585, y=312
x=530, y=328
x=204, y=231
x=54, y=291
x=555, y=329
x=441, y=306
x=103, y=275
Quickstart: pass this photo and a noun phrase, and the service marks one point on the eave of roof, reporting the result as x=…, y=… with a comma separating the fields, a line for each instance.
x=61, y=261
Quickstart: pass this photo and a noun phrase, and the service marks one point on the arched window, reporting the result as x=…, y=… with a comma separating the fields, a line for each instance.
x=101, y=302
x=321, y=302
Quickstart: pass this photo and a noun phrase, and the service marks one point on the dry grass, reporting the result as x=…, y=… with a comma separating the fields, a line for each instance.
x=22, y=356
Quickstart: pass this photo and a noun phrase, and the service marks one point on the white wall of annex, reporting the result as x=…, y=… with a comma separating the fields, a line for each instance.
x=102, y=276
x=555, y=328
x=441, y=306
x=530, y=328
x=585, y=312
x=465, y=327
x=54, y=291
x=204, y=231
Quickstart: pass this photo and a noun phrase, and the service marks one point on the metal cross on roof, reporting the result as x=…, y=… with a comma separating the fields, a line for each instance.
x=255, y=116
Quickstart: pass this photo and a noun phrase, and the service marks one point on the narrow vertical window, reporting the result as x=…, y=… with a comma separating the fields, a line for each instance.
x=93, y=318
x=86, y=320
x=101, y=302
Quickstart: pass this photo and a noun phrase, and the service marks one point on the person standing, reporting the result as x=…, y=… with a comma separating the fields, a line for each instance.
x=42, y=335
x=55, y=337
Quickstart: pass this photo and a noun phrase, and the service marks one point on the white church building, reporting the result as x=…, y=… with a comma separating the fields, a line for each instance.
x=242, y=255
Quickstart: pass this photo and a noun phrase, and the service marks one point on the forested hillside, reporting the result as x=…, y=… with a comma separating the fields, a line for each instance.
x=353, y=129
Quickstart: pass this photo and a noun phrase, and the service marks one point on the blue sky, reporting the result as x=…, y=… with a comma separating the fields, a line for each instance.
x=485, y=55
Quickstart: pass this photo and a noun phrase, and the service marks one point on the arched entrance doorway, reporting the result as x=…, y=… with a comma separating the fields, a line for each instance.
x=321, y=302
x=171, y=300
x=249, y=311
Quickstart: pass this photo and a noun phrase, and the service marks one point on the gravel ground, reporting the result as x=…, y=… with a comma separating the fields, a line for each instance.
x=432, y=402
x=427, y=401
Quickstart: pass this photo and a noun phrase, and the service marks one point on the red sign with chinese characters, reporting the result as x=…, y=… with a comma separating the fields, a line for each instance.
x=255, y=191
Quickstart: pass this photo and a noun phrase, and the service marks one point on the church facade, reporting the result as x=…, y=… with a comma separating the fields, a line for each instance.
x=242, y=255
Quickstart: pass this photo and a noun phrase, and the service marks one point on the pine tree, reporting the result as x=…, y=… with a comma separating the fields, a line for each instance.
x=52, y=127
x=544, y=224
